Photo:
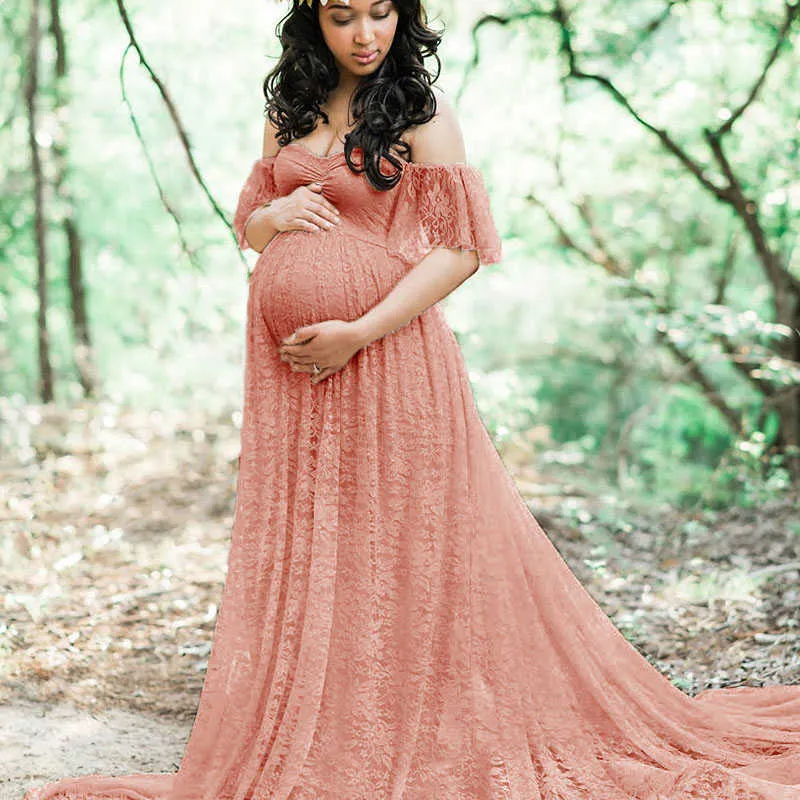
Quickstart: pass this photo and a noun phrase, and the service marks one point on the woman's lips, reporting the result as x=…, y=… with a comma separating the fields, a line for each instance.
x=366, y=58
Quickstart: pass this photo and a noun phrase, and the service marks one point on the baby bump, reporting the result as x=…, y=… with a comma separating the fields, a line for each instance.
x=305, y=277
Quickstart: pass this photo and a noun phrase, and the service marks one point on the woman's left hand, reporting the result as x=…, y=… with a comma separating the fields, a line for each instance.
x=329, y=344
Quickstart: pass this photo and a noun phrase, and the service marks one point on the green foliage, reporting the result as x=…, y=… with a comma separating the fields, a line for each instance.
x=639, y=298
x=619, y=265
x=749, y=475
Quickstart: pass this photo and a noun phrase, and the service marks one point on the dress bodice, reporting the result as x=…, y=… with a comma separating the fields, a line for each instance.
x=432, y=205
x=359, y=203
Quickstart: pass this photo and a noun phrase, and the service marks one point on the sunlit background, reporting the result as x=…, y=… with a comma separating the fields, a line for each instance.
x=633, y=323
x=635, y=355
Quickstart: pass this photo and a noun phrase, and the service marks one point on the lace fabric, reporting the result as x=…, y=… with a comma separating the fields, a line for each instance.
x=443, y=205
x=435, y=205
x=258, y=189
x=395, y=624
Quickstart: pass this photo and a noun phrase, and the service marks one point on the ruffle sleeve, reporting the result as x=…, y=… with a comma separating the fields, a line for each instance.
x=258, y=189
x=442, y=205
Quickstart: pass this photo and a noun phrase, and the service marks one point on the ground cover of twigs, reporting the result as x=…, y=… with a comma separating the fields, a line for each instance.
x=115, y=534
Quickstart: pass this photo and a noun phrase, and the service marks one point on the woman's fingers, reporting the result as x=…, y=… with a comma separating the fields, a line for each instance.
x=306, y=225
x=306, y=365
x=314, y=218
x=320, y=204
x=326, y=210
x=316, y=189
x=298, y=359
x=318, y=197
x=318, y=219
x=302, y=367
x=321, y=215
x=324, y=374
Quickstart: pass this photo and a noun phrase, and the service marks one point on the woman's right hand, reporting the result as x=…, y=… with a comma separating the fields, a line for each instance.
x=305, y=209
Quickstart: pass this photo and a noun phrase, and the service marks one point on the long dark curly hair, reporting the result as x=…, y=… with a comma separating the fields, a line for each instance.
x=386, y=102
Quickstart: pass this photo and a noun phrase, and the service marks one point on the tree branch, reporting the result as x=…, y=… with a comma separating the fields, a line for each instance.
x=790, y=14
x=614, y=267
x=180, y=128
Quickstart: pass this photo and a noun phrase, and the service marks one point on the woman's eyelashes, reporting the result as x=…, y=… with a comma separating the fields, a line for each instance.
x=341, y=22
x=382, y=12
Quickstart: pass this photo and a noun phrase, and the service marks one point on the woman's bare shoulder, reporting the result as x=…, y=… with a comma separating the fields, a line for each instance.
x=270, y=145
x=440, y=140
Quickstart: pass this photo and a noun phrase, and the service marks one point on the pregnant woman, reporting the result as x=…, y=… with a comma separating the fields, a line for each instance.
x=395, y=624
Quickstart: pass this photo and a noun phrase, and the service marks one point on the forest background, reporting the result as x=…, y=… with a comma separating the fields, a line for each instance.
x=636, y=354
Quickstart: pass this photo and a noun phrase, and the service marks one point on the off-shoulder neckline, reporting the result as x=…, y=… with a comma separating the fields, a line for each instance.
x=340, y=154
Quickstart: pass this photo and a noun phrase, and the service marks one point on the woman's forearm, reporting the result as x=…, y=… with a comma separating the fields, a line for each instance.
x=259, y=228
x=438, y=274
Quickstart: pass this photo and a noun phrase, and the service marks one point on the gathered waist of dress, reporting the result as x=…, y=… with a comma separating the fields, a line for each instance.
x=346, y=228
x=350, y=228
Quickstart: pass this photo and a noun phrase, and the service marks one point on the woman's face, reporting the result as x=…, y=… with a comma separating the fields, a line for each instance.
x=358, y=28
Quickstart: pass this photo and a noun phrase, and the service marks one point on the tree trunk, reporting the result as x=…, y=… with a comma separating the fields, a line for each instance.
x=31, y=92
x=83, y=354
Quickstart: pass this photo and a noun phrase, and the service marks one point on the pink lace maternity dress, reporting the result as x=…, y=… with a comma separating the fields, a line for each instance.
x=395, y=624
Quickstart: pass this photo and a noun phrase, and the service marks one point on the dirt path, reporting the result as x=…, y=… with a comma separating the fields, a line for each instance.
x=115, y=543
x=43, y=743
